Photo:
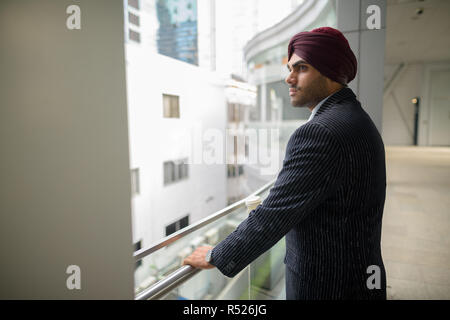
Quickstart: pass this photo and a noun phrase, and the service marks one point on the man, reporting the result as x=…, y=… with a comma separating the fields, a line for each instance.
x=329, y=196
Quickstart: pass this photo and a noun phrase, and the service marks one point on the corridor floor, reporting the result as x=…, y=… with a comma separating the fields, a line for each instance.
x=416, y=223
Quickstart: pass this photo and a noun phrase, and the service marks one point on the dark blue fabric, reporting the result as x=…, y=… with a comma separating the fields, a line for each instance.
x=328, y=201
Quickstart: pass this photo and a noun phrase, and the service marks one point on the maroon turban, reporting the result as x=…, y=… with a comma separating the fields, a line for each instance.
x=327, y=50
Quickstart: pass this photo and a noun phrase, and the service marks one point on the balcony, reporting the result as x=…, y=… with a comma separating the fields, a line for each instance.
x=161, y=276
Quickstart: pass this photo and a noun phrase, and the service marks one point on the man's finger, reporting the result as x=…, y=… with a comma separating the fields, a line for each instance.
x=185, y=261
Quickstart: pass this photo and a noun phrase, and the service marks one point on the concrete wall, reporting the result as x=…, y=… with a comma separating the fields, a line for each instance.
x=65, y=185
x=368, y=46
x=398, y=111
x=413, y=80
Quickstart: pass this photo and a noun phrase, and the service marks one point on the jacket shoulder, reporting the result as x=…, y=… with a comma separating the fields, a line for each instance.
x=313, y=136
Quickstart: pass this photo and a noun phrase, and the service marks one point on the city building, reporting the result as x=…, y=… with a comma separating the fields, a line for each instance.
x=164, y=110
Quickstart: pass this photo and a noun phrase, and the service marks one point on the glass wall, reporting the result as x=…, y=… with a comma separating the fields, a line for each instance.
x=262, y=279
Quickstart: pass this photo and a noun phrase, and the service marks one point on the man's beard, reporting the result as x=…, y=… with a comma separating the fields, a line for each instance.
x=311, y=94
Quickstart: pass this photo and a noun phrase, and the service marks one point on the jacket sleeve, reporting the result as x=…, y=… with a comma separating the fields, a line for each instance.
x=310, y=172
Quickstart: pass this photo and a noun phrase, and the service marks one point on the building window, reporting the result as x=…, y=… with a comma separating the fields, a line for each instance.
x=133, y=35
x=171, y=106
x=177, y=225
x=184, y=222
x=183, y=170
x=138, y=246
x=135, y=187
x=171, y=228
x=134, y=4
x=175, y=171
x=134, y=19
x=235, y=170
x=169, y=172
x=231, y=171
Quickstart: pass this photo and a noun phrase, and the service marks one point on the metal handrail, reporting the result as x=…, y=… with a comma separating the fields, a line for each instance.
x=164, y=286
x=185, y=272
x=142, y=253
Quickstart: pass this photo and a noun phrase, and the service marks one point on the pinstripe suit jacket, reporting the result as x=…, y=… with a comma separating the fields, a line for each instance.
x=328, y=201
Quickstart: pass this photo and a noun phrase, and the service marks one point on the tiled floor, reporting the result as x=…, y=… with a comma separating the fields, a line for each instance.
x=416, y=223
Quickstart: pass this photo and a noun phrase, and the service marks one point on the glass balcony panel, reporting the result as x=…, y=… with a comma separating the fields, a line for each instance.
x=262, y=279
x=164, y=261
x=267, y=274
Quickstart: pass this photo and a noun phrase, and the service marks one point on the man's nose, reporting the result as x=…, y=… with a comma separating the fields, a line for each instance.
x=290, y=79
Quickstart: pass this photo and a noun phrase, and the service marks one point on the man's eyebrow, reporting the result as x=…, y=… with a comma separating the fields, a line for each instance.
x=296, y=64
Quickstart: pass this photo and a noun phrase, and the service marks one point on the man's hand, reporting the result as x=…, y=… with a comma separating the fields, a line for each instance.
x=197, y=258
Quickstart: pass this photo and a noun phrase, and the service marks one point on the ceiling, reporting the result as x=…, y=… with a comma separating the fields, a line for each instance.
x=416, y=38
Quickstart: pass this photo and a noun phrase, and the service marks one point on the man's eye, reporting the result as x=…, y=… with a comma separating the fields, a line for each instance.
x=300, y=68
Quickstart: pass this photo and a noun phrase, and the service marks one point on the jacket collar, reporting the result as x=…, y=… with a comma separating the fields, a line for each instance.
x=344, y=93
